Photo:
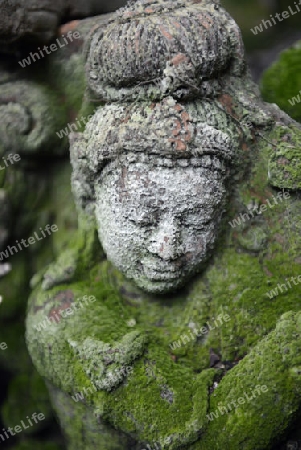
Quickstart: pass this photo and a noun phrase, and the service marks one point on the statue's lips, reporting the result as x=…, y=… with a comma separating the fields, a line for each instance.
x=161, y=274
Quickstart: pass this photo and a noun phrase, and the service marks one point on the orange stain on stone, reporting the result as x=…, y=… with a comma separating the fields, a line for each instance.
x=180, y=140
x=165, y=33
x=177, y=24
x=179, y=144
x=227, y=101
x=137, y=41
x=178, y=128
x=179, y=58
x=185, y=116
x=70, y=26
x=54, y=313
x=128, y=14
x=206, y=21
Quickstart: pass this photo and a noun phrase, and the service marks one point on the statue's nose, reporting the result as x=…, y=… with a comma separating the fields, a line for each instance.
x=166, y=240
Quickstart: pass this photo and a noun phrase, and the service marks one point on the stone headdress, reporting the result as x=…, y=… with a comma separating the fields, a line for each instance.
x=168, y=72
x=156, y=48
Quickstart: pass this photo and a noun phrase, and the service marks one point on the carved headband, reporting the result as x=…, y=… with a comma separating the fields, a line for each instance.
x=199, y=132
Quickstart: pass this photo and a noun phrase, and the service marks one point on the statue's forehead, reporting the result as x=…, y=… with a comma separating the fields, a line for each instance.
x=141, y=185
x=145, y=174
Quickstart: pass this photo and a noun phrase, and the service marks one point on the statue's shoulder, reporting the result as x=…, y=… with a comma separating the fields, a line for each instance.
x=61, y=294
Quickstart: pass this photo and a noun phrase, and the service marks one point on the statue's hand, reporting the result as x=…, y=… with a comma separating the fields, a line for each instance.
x=61, y=271
x=108, y=365
x=159, y=404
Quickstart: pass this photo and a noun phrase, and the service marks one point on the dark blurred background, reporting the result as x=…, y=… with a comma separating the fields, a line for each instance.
x=263, y=48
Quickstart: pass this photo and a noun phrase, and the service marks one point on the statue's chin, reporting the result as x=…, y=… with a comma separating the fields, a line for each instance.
x=160, y=286
x=159, y=281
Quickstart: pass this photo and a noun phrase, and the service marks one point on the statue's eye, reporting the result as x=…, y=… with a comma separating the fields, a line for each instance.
x=144, y=219
x=196, y=219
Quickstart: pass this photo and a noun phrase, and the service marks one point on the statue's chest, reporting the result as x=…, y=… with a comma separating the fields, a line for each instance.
x=224, y=312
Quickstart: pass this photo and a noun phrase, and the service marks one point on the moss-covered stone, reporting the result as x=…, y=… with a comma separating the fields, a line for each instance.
x=281, y=83
x=284, y=168
x=151, y=369
x=265, y=385
x=156, y=401
x=29, y=122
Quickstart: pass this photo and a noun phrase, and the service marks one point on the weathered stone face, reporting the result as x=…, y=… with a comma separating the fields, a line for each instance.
x=158, y=224
x=155, y=176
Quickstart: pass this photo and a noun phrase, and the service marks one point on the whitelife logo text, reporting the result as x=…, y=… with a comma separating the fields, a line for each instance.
x=53, y=48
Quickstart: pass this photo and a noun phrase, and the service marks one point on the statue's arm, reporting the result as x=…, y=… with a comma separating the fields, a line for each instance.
x=124, y=375
x=260, y=397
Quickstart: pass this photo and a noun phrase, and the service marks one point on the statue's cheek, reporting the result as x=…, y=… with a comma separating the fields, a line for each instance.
x=198, y=243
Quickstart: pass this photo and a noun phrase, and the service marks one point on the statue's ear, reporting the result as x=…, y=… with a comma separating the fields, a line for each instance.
x=82, y=180
x=283, y=147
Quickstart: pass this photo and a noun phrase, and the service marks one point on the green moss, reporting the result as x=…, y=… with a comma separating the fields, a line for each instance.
x=282, y=82
x=277, y=397
x=284, y=166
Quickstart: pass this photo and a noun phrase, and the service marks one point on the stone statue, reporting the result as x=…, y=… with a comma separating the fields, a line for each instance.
x=189, y=182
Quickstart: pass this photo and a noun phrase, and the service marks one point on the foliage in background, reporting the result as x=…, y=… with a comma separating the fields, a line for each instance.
x=281, y=83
